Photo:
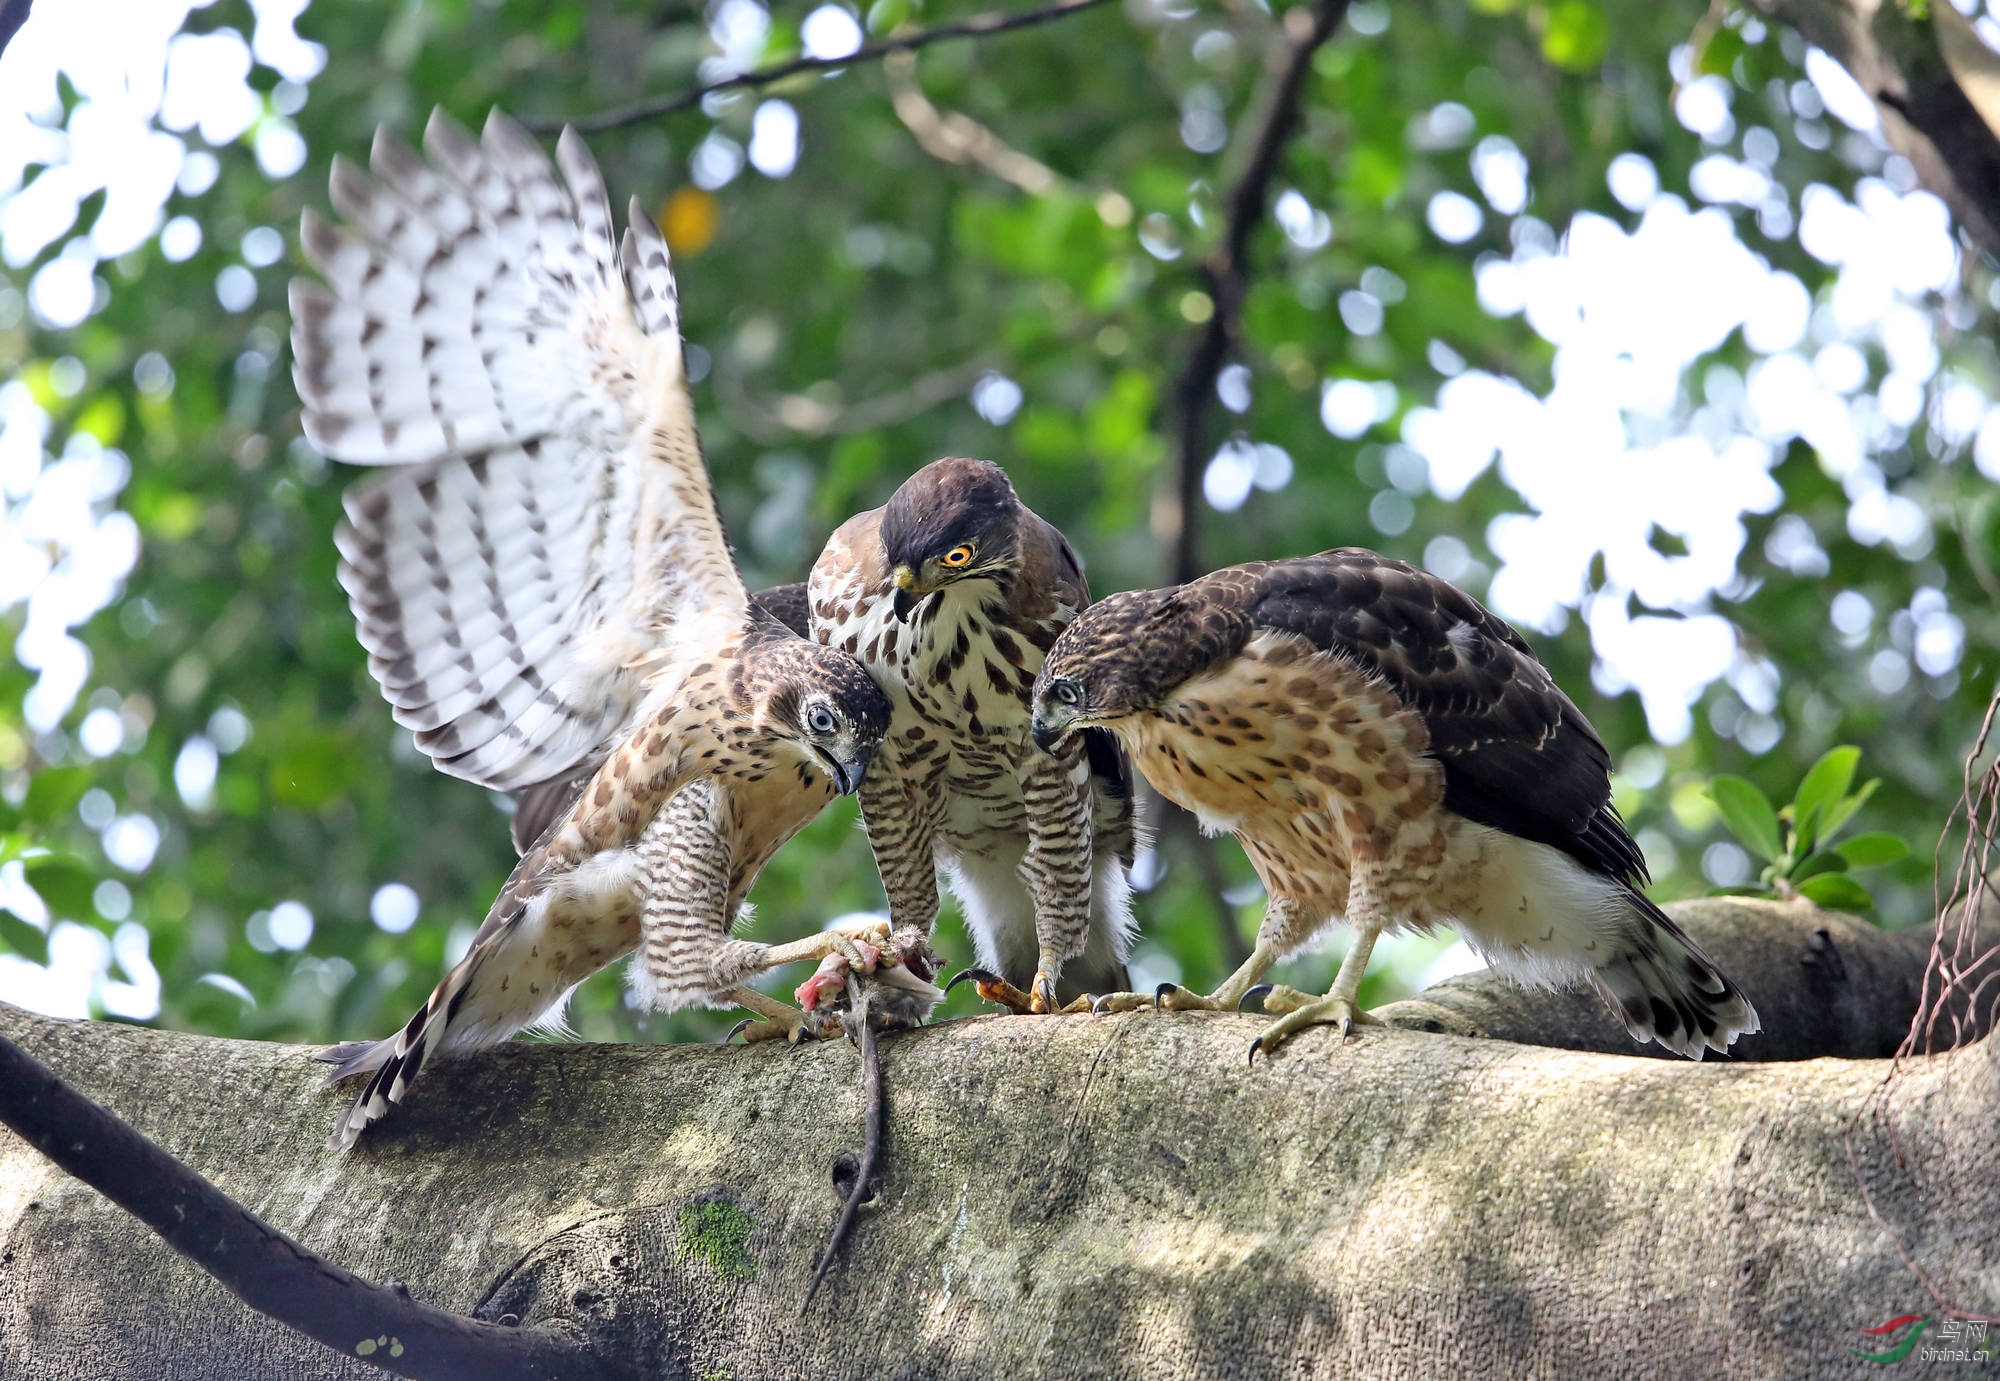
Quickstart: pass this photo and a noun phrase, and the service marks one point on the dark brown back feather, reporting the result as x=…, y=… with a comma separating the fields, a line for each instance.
x=1518, y=755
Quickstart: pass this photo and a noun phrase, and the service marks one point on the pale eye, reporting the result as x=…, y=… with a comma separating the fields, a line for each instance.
x=1067, y=692
x=820, y=720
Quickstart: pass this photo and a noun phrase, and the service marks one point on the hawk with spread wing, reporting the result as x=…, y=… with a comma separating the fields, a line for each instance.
x=544, y=587
x=1391, y=754
x=951, y=594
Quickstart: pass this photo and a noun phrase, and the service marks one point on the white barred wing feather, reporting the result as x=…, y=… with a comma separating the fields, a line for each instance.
x=544, y=514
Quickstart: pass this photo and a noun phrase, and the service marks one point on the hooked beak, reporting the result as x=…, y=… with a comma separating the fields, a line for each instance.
x=909, y=594
x=1047, y=735
x=847, y=775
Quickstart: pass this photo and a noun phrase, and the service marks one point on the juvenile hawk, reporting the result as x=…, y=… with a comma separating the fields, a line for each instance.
x=544, y=586
x=1390, y=754
x=951, y=594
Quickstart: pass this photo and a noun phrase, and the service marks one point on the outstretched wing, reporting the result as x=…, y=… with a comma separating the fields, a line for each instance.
x=547, y=518
x=541, y=805
x=1517, y=752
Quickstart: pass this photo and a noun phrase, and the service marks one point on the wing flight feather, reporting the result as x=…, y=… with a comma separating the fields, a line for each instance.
x=544, y=518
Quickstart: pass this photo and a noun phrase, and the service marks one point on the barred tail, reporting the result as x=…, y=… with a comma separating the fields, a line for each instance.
x=1548, y=920
x=392, y=1063
x=1666, y=989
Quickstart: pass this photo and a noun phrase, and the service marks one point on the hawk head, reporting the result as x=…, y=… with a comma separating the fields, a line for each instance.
x=1119, y=657
x=953, y=520
x=822, y=704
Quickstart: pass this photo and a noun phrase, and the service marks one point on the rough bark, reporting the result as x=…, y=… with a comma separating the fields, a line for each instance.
x=1827, y=984
x=1930, y=78
x=1063, y=1197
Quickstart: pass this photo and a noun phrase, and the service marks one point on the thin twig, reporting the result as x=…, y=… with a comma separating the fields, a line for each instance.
x=1227, y=272
x=980, y=27
x=863, y=1031
x=956, y=137
x=267, y=1270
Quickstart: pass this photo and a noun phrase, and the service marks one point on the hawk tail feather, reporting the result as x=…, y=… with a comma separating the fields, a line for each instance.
x=392, y=1063
x=1550, y=921
x=1665, y=989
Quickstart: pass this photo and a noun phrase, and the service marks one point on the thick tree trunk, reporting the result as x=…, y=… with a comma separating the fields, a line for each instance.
x=1935, y=85
x=1065, y=1197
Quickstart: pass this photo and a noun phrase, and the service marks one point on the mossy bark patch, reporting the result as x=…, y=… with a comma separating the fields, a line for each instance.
x=718, y=1232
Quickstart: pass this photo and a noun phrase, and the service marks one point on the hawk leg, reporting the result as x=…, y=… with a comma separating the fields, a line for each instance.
x=775, y=1020
x=1285, y=927
x=1055, y=868
x=1338, y=1007
x=1040, y=1001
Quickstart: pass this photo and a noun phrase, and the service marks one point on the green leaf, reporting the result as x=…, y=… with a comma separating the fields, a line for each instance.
x=1873, y=850
x=1824, y=786
x=1816, y=864
x=53, y=793
x=1576, y=37
x=1719, y=54
x=18, y=937
x=64, y=885
x=1805, y=830
x=1841, y=811
x=1747, y=812
x=1837, y=892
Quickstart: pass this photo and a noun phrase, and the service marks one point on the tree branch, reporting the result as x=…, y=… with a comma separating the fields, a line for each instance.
x=13, y=14
x=1936, y=85
x=1227, y=271
x=983, y=26
x=261, y=1266
x=1350, y=1206
x=957, y=138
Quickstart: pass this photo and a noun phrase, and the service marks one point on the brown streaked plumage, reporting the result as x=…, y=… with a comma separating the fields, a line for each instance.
x=545, y=588
x=1391, y=754
x=951, y=594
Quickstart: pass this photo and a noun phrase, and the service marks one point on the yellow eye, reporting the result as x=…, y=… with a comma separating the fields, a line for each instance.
x=957, y=556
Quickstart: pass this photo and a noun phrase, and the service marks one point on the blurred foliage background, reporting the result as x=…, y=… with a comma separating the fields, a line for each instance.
x=991, y=248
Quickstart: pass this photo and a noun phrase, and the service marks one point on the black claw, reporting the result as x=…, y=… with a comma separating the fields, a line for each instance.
x=1255, y=1046
x=1162, y=991
x=737, y=1030
x=971, y=975
x=1258, y=994
x=1346, y=1027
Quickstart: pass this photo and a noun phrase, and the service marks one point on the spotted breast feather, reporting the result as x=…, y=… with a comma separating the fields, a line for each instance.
x=1391, y=754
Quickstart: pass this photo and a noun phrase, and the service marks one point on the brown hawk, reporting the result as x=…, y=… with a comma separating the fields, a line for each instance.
x=543, y=583
x=951, y=594
x=1390, y=754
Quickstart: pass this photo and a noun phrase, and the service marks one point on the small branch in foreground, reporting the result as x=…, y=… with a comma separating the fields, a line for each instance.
x=980, y=27
x=1227, y=272
x=261, y=1266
